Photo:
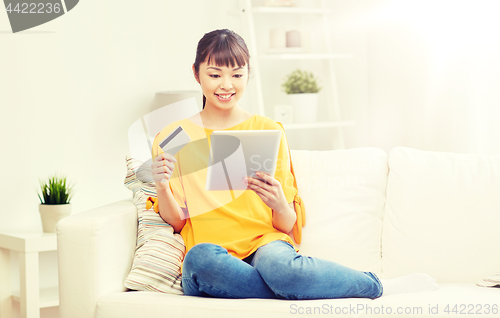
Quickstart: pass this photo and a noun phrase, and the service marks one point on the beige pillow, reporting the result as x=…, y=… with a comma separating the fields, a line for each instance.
x=159, y=252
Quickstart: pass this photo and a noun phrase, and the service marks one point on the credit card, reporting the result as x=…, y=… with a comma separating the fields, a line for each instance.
x=175, y=141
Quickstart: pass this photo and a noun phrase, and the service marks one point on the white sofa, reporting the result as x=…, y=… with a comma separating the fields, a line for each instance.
x=409, y=211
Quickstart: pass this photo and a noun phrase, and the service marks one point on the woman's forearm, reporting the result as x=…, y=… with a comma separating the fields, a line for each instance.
x=170, y=211
x=285, y=218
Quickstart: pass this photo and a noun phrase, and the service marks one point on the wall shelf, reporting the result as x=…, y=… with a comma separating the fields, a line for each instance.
x=290, y=54
x=288, y=10
x=303, y=56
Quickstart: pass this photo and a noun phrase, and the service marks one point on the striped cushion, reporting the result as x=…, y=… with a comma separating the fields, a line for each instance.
x=159, y=252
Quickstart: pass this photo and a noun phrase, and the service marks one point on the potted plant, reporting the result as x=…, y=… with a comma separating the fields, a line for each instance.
x=55, y=204
x=302, y=89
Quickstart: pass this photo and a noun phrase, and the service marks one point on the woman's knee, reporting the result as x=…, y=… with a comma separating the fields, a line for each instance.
x=279, y=264
x=200, y=257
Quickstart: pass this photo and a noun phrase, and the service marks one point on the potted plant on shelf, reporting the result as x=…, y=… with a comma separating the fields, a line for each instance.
x=56, y=202
x=302, y=89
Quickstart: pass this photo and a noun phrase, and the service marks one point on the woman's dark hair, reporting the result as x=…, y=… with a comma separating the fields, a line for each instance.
x=223, y=47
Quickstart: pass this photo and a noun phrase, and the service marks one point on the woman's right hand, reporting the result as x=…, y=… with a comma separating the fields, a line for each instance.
x=162, y=168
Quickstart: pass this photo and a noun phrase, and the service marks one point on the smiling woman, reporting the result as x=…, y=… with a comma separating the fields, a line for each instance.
x=225, y=82
x=235, y=243
x=223, y=56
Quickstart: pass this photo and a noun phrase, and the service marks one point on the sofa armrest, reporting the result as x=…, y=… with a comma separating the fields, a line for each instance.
x=95, y=253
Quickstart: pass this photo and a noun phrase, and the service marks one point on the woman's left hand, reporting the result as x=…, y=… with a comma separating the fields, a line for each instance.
x=270, y=191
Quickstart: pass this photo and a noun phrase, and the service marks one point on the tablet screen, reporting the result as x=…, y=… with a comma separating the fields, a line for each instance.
x=235, y=154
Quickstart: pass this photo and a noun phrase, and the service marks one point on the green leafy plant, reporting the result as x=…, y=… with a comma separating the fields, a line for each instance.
x=300, y=82
x=55, y=191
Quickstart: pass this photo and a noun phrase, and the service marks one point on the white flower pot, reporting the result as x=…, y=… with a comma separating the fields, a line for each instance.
x=51, y=214
x=305, y=107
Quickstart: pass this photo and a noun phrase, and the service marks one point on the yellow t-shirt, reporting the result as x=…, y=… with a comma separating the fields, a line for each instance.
x=237, y=220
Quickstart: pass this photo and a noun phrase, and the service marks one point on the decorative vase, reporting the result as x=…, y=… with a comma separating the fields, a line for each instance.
x=293, y=38
x=51, y=214
x=305, y=107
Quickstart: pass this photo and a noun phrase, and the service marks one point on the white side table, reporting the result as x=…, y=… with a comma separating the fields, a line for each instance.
x=31, y=298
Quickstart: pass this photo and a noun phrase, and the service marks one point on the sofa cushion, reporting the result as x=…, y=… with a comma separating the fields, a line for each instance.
x=159, y=252
x=442, y=215
x=344, y=195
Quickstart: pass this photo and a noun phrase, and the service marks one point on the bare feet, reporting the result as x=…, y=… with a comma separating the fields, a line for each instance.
x=411, y=283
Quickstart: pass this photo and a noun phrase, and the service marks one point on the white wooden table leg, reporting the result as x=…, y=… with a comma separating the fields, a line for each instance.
x=30, y=290
x=5, y=284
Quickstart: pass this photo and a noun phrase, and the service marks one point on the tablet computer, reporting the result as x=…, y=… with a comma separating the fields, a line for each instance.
x=235, y=154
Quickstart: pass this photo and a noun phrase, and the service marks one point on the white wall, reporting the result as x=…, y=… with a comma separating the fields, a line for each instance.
x=433, y=75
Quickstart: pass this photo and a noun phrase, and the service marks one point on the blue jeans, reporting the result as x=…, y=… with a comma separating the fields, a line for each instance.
x=276, y=271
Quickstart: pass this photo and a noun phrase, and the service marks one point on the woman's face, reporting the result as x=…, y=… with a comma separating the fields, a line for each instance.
x=222, y=86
